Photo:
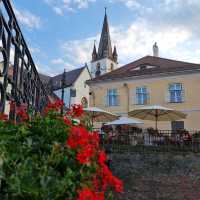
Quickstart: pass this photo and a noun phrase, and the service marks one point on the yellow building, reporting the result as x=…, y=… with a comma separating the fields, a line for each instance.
x=148, y=81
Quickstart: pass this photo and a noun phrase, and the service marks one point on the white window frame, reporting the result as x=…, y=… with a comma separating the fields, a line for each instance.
x=112, y=97
x=142, y=92
x=177, y=89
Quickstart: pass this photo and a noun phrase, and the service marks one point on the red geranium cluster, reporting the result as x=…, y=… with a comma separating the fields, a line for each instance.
x=56, y=106
x=88, y=152
x=22, y=113
x=88, y=194
x=76, y=110
x=3, y=117
x=84, y=142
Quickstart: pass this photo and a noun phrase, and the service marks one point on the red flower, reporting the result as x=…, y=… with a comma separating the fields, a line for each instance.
x=21, y=112
x=94, y=139
x=23, y=116
x=118, y=185
x=102, y=158
x=85, y=155
x=67, y=121
x=87, y=149
x=56, y=106
x=108, y=180
x=78, y=137
x=3, y=117
x=86, y=194
x=76, y=110
x=96, y=182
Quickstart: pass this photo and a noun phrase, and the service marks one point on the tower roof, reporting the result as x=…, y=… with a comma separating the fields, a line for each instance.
x=94, y=50
x=105, y=47
x=115, y=51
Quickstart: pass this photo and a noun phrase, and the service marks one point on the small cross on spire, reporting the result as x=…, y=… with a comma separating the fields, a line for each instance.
x=105, y=10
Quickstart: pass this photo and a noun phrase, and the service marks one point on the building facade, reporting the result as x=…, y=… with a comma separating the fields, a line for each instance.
x=151, y=81
x=70, y=86
x=105, y=59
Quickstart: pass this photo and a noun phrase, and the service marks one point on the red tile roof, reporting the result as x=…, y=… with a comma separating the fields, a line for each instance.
x=148, y=65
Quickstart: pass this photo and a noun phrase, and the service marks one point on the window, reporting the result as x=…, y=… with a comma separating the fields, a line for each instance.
x=142, y=95
x=176, y=93
x=98, y=66
x=98, y=70
x=112, y=97
x=177, y=125
x=84, y=102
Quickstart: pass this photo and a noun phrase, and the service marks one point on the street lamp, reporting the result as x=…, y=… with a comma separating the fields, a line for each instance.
x=63, y=89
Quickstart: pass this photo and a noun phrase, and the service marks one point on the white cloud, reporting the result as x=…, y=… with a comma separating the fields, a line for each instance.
x=58, y=10
x=57, y=61
x=61, y=6
x=57, y=65
x=134, y=42
x=133, y=4
x=78, y=51
x=170, y=23
x=28, y=19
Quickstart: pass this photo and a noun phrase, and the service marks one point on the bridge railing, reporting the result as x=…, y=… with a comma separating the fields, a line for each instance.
x=19, y=79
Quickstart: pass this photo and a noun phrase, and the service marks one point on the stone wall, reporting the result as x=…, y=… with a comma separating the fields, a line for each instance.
x=166, y=176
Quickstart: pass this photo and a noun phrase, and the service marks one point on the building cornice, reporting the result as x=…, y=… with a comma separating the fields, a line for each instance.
x=141, y=77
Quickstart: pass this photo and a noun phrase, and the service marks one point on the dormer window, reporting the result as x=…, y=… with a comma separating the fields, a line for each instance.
x=143, y=67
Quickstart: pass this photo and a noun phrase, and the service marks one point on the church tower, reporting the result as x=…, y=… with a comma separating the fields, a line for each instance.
x=106, y=59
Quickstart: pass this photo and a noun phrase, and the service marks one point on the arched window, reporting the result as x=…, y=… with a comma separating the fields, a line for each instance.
x=84, y=102
x=98, y=67
x=98, y=70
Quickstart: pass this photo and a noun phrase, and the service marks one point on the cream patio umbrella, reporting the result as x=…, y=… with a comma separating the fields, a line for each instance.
x=157, y=113
x=124, y=121
x=99, y=115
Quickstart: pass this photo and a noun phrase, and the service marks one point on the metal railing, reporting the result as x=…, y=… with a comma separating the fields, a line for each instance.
x=163, y=141
x=21, y=76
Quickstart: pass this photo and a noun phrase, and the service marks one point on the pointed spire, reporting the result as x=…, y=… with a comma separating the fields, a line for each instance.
x=94, y=53
x=105, y=48
x=115, y=55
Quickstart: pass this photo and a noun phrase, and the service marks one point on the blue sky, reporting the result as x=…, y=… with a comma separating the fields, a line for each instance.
x=61, y=33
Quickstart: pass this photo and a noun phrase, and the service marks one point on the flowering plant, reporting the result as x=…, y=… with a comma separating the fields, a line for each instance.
x=53, y=157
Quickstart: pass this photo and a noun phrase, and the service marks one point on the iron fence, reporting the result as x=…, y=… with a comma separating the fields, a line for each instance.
x=163, y=141
x=19, y=79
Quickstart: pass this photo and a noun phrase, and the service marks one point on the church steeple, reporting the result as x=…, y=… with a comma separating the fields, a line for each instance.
x=94, y=53
x=115, y=55
x=105, y=47
x=105, y=59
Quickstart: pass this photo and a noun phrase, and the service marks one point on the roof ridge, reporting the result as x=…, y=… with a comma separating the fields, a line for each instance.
x=80, y=68
x=163, y=63
x=173, y=60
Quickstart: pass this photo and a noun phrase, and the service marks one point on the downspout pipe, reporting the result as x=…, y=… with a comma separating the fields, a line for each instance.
x=127, y=96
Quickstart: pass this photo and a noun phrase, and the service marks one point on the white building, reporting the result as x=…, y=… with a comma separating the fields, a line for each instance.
x=75, y=89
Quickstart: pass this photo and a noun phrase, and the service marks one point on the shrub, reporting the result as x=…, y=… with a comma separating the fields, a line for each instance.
x=52, y=157
x=196, y=135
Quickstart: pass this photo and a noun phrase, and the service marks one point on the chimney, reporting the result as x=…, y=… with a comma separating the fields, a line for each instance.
x=155, y=50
